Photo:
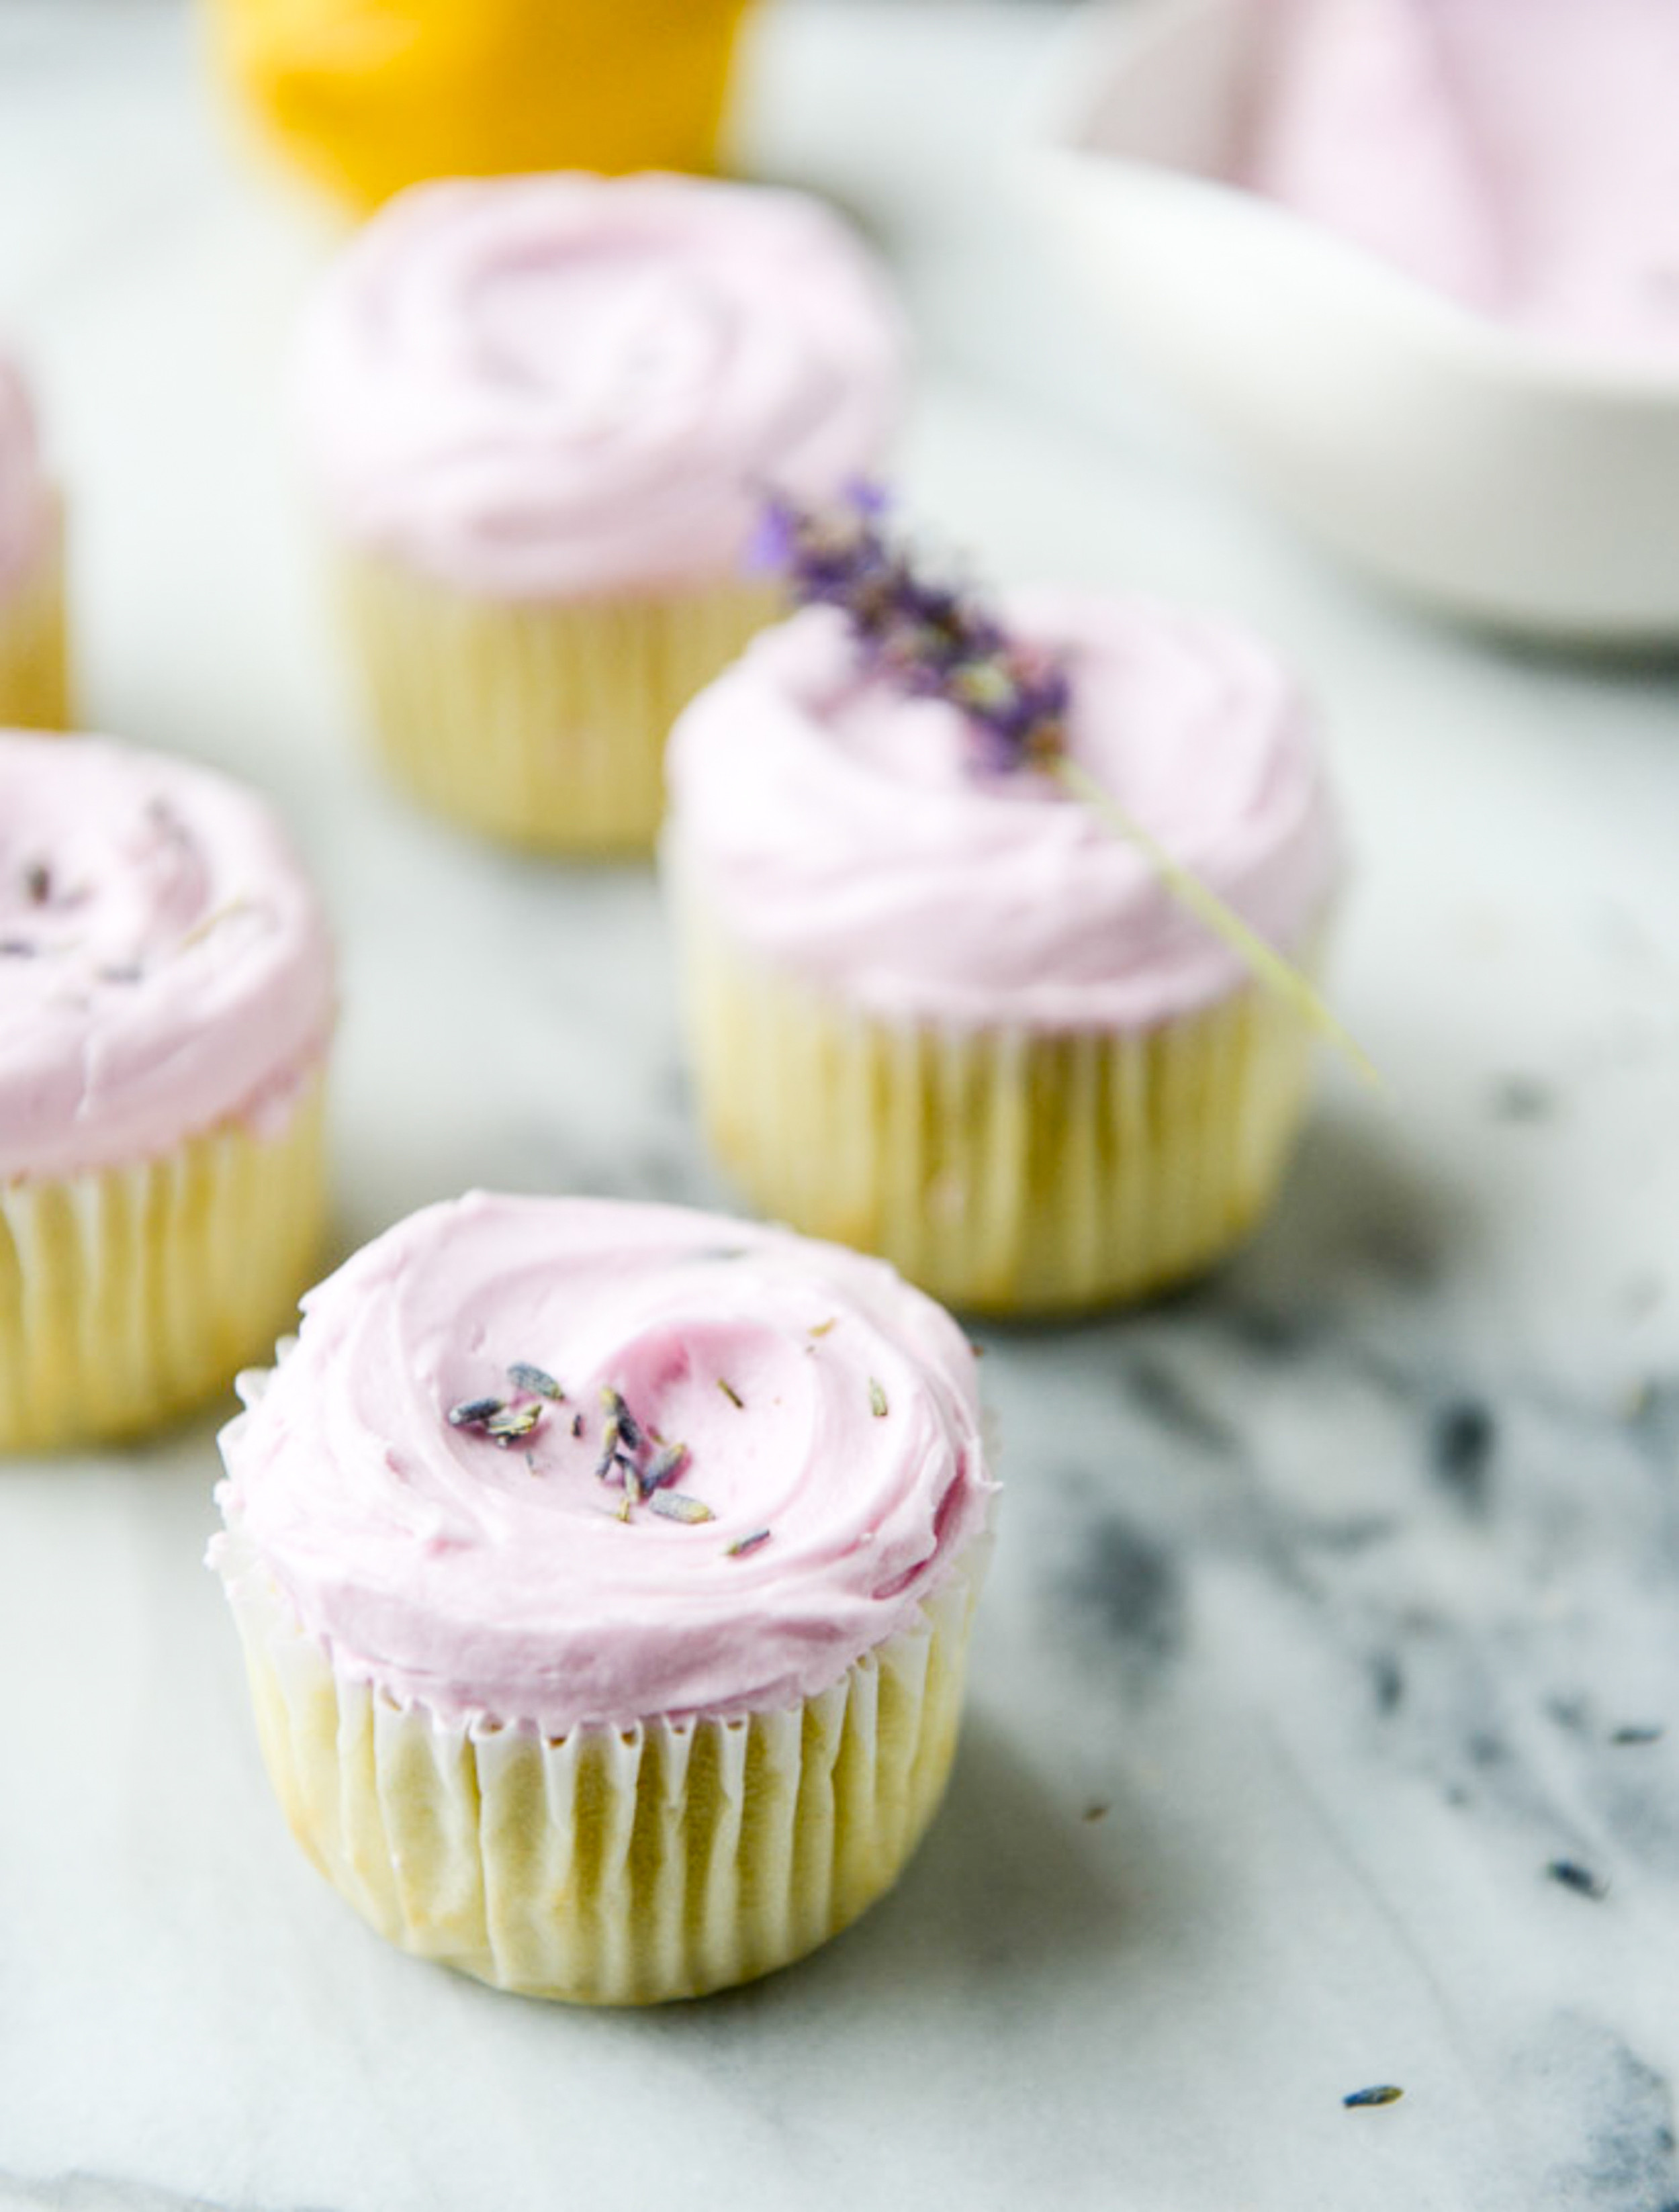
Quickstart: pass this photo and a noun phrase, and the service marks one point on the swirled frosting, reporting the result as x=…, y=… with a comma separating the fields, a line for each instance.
x=569, y=385
x=163, y=961
x=839, y=828
x=26, y=494
x=1520, y=155
x=820, y=1398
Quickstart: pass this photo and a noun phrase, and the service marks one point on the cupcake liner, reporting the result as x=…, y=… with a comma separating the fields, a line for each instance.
x=35, y=674
x=129, y=1294
x=1007, y=1169
x=542, y=723
x=610, y=1866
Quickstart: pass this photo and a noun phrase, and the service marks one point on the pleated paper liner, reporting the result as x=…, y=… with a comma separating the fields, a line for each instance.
x=1007, y=1170
x=35, y=669
x=543, y=724
x=129, y=1295
x=610, y=1866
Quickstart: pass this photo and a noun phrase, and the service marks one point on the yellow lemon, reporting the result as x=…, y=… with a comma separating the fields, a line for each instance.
x=369, y=95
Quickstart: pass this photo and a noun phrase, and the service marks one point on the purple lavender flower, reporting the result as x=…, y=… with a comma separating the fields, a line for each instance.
x=930, y=640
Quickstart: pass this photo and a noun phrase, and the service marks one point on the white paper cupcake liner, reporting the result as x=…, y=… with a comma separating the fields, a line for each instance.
x=543, y=724
x=35, y=674
x=129, y=1294
x=612, y=1866
x=1007, y=1169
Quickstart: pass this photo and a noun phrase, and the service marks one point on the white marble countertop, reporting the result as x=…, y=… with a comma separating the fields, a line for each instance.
x=1322, y=1592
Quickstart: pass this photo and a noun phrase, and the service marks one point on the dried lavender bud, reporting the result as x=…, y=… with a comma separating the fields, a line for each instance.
x=877, y=1399
x=665, y=1465
x=1581, y=1879
x=822, y=1327
x=745, y=1545
x=732, y=1394
x=677, y=1505
x=512, y=1422
x=577, y=1424
x=1383, y=2094
x=608, y=1452
x=473, y=1412
x=537, y=1380
x=628, y=1426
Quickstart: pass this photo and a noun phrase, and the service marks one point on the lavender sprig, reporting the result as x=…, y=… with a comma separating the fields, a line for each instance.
x=932, y=639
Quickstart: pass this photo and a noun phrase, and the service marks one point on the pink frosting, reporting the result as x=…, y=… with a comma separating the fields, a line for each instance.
x=1520, y=155
x=484, y=1580
x=838, y=828
x=26, y=494
x=560, y=386
x=163, y=961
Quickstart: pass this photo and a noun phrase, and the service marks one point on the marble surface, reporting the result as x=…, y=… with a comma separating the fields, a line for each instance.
x=1323, y=1593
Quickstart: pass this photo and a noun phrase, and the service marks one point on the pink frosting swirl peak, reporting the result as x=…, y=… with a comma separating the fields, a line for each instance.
x=837, y=828
x=828, y=1413
x=164, y=963
x=564, y=385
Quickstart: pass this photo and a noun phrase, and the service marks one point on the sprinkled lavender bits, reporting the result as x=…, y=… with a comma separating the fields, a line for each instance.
x=633, y=1458
x=633, y=1455
x=511, y=1423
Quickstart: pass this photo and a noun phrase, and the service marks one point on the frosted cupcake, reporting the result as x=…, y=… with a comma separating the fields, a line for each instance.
x=540, y=413
x=166, y=998
x=943, y=1010
x=603, y=1573
x=33, y=675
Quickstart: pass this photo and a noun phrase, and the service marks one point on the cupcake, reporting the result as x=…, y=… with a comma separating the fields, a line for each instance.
x=369, y=95
x=166, y=996
x=940, y=1009
x=539, y=414
x=33, y=677
x=603, y=1573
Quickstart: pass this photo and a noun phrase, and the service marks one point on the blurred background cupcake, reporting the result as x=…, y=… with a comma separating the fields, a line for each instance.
x=166, y=1002
x=540, y=415
x=941, y=1010
x=367, y=96
x=34, y=676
